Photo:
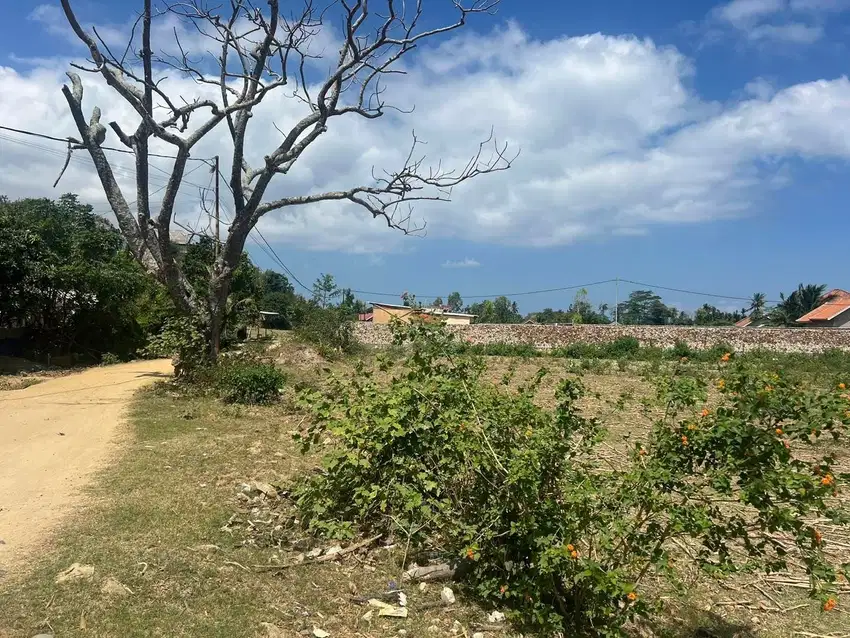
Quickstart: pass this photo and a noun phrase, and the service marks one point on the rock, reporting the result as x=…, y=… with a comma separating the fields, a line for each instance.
x=478, y=634
x=402, y=632
x=429, y=573
x=272, y=631
x=207, y=548
x=258, y=487
x=495, y=617
x=320, y=633
x=393, y=612
x=75, y=572
x=44, y=636
x=447, y=596
x=333, y=551
x=423, y=586
x=457, y=628
x=402, y=599
x=115, y=588
x=368, y=616
x=314, y=553
x=433, y=629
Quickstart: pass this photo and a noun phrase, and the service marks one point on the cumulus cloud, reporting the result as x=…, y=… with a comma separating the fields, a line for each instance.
x=461, y=263
x=613, y=139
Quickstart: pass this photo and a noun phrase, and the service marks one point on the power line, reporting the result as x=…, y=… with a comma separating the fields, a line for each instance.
x=105, y=148
x=691, y=292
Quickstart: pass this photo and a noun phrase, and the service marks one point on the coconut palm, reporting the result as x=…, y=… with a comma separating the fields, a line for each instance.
x=798, y=303
x=757, y=304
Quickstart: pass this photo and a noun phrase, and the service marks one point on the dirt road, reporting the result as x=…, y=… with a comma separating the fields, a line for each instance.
x=53, y=436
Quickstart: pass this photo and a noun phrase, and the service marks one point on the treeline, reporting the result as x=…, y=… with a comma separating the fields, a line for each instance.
x=70, y=288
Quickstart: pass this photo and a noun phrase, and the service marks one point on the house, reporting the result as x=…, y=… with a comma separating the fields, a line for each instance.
x=384, y=313
x=832, y=313
x=749, y=322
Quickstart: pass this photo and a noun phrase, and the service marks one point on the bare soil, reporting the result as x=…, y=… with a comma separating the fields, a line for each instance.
x=53, y=437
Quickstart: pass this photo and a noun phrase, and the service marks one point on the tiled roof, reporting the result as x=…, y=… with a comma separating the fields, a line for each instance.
x=743, y=323
x=834, y=303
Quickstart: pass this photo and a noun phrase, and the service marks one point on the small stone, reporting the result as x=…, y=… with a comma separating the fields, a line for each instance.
x=478, y=634
x=423, y=586
x=333, y=551
x=44, y=636
x=402, y=599
x=368, y=616
x=496, y=617
x=206, y=548
x=75, y=572
x=433, y=629
x=314, y=553
x=447, y=596
x=402, y=632
x=272, y=631
x=320, y=633
x=457, y=628
x=115, y=588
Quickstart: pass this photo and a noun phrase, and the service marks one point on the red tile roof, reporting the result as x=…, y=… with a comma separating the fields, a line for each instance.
x=833, y=304
x=743, y=323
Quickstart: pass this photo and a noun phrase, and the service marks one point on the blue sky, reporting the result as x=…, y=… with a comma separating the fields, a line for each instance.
x=694, y=145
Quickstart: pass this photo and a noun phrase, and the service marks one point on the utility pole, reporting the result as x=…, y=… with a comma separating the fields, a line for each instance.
x=617, y=301
x=215, y=168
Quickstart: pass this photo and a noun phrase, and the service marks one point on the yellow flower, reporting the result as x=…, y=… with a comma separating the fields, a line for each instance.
x=721, y=384
x=842, y=386
x=692, y=427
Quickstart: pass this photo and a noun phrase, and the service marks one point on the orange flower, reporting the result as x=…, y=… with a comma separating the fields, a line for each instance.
x=684, y=440
x=632, y=596
x=778, y=431
x=827, y=480
x=503, y=589
x=768, y=388
x=684, y=359
x=470, y=554
x=842, y=386
x=642, y=452
x=829, y=605
x=570, y=548
x=818, y=537
x=705, y=412
x=726, y=357
x=574, y=554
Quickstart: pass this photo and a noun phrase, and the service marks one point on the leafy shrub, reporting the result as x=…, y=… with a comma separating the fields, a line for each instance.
x=183, y=339
x=248, y=382
x=538, y=523
x=623, y=347
x=682, y=350
x=331, y=330
x=109, y=359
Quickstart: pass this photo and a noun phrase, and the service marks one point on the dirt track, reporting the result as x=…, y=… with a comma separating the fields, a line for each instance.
x=53, y=436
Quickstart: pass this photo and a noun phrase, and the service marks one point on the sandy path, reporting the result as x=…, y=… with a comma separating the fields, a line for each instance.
x=53, y=436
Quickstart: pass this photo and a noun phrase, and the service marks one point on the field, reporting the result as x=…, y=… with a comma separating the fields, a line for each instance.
x=181, y=547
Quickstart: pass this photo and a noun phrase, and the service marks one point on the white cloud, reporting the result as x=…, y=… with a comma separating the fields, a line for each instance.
x=614, y=140
x=796, y=22
x=461, y=263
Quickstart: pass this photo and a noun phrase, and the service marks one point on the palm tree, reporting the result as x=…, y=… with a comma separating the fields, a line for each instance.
x=757, y=304
x=798, y=303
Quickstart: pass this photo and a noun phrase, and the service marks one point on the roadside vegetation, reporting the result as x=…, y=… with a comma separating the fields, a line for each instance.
x=705, y=497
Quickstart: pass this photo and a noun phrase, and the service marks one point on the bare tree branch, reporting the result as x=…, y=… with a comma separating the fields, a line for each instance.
x=246, y=53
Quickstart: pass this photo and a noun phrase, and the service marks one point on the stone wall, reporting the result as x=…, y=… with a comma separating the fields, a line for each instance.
x=545, y=337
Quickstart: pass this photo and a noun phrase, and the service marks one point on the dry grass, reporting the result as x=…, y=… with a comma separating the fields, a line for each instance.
x=176, y=488
x=18, y=382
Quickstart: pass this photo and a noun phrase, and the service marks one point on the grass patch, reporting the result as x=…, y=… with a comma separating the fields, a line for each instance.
x=18, y=383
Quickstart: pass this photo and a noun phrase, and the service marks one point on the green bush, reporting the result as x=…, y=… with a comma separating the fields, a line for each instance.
x=183, y=339
x=537, y=522
x=682, y=350
x=330, y=330
x=621, y=348
x=249, y=382
x=109, y=359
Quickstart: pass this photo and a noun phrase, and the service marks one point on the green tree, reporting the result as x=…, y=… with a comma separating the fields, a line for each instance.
x=499, y=310
x=757, y=304
x=437, y=303
x=803, y=300
x=455, y=302
x=325, y=290
x=67, y=280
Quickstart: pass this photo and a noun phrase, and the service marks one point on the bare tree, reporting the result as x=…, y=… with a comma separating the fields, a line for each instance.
x=252, y=53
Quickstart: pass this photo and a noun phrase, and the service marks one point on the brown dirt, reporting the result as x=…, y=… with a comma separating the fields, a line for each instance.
x=53, y=437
